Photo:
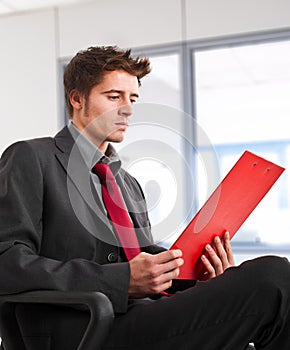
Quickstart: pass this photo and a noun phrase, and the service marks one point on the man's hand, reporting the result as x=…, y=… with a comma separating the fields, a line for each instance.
x=218, y=259
x=152, y=274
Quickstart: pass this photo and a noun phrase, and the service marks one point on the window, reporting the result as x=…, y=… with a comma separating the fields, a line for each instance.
x=242, y=101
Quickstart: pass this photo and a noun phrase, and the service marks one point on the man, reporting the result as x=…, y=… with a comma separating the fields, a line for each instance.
x=57, y=231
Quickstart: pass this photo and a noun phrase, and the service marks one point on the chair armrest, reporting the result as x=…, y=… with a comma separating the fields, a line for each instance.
x=100, y=307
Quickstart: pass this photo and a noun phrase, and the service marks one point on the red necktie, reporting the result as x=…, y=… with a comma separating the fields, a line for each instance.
x=117, y=211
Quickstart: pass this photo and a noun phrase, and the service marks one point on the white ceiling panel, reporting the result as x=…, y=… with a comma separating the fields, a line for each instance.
x=4, y=9
x=10, y=6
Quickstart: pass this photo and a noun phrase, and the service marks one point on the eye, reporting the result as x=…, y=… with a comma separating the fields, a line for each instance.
x=133, y=100
x=114, y=97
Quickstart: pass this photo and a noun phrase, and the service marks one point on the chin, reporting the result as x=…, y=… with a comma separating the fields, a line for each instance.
x=117, y=138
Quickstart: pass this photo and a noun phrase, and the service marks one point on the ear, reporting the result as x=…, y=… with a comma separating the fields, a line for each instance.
x=76, y=99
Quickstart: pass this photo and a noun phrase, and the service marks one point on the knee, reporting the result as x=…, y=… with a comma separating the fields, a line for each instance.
x=273, y=270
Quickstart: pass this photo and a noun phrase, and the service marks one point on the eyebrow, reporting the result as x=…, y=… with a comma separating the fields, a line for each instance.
x=119, y=92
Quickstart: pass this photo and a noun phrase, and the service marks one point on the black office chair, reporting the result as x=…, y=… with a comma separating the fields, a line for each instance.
x=96, y=330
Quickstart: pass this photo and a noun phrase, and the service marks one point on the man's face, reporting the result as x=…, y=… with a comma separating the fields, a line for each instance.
x=104, y=115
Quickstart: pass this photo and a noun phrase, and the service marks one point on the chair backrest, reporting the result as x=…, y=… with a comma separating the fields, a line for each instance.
x=100, y=309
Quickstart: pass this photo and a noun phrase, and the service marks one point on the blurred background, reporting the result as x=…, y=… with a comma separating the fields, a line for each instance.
x=220, y=67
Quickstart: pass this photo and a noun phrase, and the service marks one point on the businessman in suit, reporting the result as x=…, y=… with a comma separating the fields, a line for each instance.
x=56, y=233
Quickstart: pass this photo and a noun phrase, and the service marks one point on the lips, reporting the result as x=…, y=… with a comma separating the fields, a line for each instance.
x=121, y=125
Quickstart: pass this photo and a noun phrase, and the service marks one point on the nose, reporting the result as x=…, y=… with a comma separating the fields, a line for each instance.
x=126, y=110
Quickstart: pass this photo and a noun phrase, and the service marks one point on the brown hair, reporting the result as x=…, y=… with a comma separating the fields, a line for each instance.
x=87, y=68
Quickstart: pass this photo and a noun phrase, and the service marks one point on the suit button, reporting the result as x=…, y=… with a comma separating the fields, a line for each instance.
x=112, y=257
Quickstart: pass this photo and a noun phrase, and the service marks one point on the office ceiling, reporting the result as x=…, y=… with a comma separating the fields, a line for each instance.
x=14, y=6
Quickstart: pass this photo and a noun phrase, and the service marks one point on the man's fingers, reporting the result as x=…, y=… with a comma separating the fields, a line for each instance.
x=166, y=268
x=151, y=274
x=208, y=266
x=214, y=259
x=228, y=249
x=164, y=281
x=166, y=256
x=163, y=263
x=221, y=252
x=219, y=258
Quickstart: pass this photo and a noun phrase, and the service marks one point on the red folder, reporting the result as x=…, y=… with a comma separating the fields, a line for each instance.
x=226, y=209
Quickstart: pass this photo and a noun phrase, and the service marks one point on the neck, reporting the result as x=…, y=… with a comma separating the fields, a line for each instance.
x=101, y=144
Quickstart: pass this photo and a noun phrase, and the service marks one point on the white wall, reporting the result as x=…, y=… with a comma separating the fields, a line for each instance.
x=127, y=23
x=28, y=76
x=207, y=18
x=32, y=43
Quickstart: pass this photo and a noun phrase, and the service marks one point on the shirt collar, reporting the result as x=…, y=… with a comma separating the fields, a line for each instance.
x=91, y=153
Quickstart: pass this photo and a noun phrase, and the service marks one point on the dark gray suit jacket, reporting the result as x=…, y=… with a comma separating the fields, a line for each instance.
x=53, y=231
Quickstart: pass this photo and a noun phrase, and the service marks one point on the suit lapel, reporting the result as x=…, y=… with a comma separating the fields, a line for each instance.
x=79, y=183
x=78, y=175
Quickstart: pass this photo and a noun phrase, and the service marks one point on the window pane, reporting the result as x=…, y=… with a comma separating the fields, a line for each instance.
x=150, y=147
x=162, y=85
x=242, y=102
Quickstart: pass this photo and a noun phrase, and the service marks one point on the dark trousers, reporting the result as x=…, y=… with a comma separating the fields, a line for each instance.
x=249, y=303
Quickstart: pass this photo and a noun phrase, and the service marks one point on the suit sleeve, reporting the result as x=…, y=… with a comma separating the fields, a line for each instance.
x=22, y=268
